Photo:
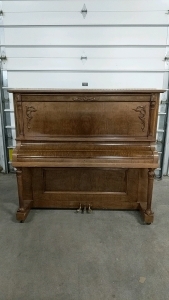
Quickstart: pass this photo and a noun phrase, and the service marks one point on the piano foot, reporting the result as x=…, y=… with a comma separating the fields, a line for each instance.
x=21, y=214
x=148, y=218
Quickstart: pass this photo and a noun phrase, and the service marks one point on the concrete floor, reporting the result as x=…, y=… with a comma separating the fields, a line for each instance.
x=108, y=255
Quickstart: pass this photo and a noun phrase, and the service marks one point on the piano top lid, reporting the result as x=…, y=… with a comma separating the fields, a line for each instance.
x=92, y=91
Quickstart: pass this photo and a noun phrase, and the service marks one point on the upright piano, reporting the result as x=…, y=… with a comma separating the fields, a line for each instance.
x=85, y=149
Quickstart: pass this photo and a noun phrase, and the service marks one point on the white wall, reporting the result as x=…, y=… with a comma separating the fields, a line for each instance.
x=124, y=43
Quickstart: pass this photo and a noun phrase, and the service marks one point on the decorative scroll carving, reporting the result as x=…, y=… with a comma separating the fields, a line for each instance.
x=151, y=174
x=84, y=98
x=153, y=97
x=29, y=111
x=18, y=97
x=142, y=112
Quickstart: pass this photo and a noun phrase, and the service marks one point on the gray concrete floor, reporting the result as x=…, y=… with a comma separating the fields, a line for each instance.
x=108, y=255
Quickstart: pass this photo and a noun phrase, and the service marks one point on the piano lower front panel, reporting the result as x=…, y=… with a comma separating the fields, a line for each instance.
x=102, y=188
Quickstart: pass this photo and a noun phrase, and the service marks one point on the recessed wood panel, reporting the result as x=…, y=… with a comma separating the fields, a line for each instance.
x=84, y=180
x=100, y=187
x=86, y=118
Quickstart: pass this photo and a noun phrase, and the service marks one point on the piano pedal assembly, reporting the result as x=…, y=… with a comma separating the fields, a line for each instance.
x=84, y=208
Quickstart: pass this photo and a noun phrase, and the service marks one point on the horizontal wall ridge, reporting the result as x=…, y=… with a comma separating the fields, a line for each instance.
x=89, y=71
x=85, y=25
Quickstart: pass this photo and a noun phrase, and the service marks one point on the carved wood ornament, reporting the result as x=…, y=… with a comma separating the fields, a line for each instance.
x=142, y=112
x=84, y=98
x=29, y=116
x=18, y=97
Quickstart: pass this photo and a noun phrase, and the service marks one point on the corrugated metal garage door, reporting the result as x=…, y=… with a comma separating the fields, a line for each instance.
x=102, y=44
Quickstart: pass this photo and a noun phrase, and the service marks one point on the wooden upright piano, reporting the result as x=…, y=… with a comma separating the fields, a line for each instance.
x=85, y=149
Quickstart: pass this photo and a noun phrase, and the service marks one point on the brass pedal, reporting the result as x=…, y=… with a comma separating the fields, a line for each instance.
x=89, y=210
x=79, y=209
x=84, y=209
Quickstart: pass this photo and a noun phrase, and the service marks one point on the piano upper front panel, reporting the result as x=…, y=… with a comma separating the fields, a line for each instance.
x=54, y=116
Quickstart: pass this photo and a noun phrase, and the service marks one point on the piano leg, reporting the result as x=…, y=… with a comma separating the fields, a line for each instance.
x=22, y=214
x=145, y=208
x=24, y=205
